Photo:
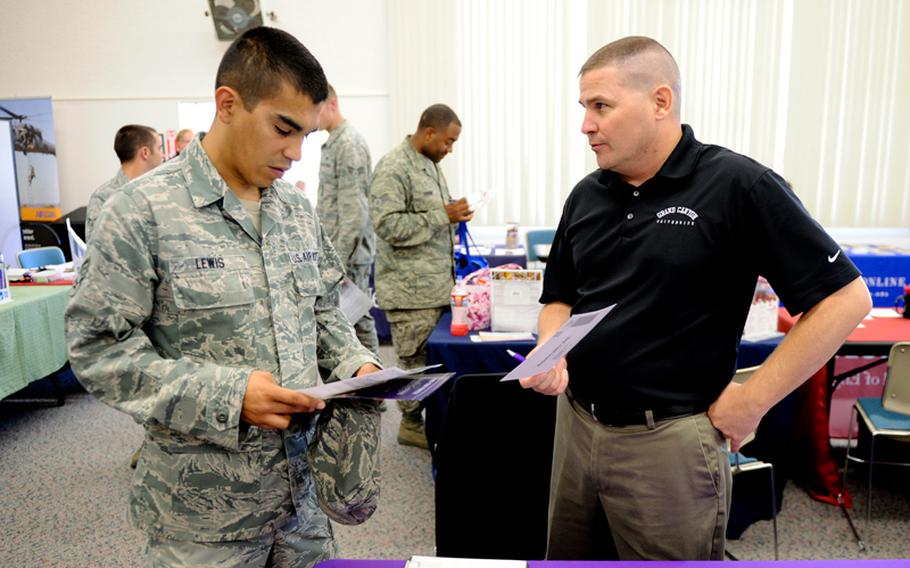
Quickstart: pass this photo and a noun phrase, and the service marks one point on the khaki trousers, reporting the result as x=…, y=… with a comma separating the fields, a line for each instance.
x=661, y=493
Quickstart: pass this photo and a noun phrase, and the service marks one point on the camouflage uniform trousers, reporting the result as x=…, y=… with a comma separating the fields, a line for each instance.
x=365, y=326
x=288, y=547
x=411, y=330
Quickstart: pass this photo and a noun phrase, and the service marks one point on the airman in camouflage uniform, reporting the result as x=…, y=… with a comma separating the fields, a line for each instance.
x=413, y=216
x=99, y=197
x=139, y=150
x=343, y=204
x=210, y=293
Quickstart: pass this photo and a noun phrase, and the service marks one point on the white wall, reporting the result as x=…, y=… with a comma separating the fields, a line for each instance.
x=112, y=62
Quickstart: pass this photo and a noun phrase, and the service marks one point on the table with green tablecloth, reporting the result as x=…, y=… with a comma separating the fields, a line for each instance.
x=32, y=344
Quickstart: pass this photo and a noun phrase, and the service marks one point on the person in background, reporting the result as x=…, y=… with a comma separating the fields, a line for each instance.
x=139, y=150
x=208, y=298
x=343, y=204
x=414, y=218
x=184, y=137
x=675, y=232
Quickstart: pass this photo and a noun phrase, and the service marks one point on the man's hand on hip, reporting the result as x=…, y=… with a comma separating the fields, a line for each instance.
x=267, y=405
x=734, y=414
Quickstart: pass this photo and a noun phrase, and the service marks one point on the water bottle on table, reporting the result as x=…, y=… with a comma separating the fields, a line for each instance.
x=902, y=304
x=459, y=305
x=4, y=280
x=511, y=235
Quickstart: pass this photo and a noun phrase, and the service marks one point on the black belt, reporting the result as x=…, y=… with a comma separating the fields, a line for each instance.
x=612, y=417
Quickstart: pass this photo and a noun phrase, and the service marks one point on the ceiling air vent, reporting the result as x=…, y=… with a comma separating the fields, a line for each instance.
x=233, y=17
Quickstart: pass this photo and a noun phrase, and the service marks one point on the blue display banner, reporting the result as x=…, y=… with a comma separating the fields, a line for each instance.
x=886, y=270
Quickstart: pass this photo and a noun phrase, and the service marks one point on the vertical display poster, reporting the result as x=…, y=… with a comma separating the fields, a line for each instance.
x=10, y=235
x=36, y=156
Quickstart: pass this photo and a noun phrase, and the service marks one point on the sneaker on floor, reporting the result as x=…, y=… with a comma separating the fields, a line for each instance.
x=410, y=434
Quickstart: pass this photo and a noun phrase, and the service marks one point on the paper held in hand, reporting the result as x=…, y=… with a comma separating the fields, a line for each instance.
x=353, y=302
x=477, y=200
x=341, y=388
x=565, y=338
x=403, y=388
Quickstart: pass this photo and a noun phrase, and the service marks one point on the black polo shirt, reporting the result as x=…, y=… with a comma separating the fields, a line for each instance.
x=680, y=256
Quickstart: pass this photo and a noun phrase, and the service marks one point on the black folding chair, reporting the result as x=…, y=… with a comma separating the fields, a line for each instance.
x=493, y=459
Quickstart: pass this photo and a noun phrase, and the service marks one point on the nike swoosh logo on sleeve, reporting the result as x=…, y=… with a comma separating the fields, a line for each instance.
x=833, y=258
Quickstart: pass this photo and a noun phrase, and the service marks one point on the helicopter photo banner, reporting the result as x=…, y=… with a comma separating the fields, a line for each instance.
x=35, y=153
x=10, y=234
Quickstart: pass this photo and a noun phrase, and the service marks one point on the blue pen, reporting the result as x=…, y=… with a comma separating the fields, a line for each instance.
x=516, y=356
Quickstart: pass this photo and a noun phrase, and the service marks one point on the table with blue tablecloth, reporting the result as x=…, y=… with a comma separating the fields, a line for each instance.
x=499, y=255
x=462, y=356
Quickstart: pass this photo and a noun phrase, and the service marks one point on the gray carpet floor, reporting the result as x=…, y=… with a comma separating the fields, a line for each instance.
x=64, y=477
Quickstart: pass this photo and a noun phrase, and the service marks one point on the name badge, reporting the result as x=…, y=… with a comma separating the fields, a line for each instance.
x=304, y=257
x=208, y=263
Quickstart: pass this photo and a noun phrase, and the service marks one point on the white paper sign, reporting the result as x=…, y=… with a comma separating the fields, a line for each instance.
x=353, y=302
x=514, y=297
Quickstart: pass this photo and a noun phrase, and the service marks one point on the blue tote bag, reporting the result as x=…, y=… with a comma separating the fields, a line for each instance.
x=465, y=261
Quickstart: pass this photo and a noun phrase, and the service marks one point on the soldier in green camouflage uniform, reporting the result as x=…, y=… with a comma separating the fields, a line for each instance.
x=208, y=295
x=343, y=204
x=413, y=216
x=139, y=150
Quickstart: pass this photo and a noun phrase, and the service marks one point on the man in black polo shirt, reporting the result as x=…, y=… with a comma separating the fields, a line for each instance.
x=675, y=232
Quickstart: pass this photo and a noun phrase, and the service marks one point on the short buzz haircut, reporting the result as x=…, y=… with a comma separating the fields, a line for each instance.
x=332, y=94
x=131, y=138
x=659, y=63
x=184, y=131
x=438, y=117
x=261, y=60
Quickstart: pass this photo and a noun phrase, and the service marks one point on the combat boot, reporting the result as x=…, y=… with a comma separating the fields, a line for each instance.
x=411, y=433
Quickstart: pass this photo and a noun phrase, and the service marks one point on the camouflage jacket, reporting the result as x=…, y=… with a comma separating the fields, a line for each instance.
x=414, y=251
x=178, y=300
x=99, y=196
x=343, y=204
